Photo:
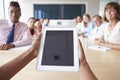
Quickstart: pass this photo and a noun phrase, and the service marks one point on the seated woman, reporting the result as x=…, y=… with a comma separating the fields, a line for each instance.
x=31, y=22
x=38, y=26
x=86, y=26
x=109, y=35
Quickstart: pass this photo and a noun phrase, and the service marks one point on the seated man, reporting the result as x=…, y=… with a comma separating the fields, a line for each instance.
x=14, y=33
x=98, y=23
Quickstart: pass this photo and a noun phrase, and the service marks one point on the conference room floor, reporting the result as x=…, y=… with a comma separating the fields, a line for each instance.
x=105, y=65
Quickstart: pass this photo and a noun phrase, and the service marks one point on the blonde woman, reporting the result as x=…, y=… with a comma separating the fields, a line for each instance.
x=86, y=26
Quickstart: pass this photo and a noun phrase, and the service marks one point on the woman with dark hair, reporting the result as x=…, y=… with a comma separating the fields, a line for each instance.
x=38, y=25
x=109, y=35
x=31, y=22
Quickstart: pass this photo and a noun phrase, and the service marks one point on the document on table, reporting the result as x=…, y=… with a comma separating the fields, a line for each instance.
x=100, y=48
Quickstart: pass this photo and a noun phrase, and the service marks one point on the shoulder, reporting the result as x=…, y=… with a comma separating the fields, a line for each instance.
x=90, y=22
x=22, y=23
x=22, y=26
x=3, y=21
x=118, y=24
x=104, y=24
x=4, y=24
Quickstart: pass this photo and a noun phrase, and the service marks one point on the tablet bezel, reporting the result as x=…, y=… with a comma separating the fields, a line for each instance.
x=59, y=68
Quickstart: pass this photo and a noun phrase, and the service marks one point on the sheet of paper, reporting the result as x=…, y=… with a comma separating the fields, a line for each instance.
x=101, y=48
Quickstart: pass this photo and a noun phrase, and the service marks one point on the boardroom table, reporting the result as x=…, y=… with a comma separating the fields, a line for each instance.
x=104, y=64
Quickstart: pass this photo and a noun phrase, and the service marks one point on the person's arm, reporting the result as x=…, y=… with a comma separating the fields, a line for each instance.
x=6, y=46
x=85, y=73
x=103, y=43
x=113, y=46
x=8, y=70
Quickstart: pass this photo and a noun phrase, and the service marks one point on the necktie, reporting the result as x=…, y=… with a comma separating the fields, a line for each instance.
x=10, y=36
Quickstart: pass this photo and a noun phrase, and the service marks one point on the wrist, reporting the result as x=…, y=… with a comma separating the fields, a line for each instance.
x=12, y=45
x=32, y=52
x=99, y=43
x=107, y=44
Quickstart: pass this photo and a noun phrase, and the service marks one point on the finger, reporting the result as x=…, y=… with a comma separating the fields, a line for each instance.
x=39, y=36
x=36, y=45
x=4, y=47
x=1, y=46
x=37, y=41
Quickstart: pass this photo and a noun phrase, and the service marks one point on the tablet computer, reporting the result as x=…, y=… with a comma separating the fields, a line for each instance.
x=58, y=50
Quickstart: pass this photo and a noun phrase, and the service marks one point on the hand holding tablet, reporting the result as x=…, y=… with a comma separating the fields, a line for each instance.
x=59, y=50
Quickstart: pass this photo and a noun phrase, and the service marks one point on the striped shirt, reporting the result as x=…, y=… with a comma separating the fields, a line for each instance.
x=22, y=35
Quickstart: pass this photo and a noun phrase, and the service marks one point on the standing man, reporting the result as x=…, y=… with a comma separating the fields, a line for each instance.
x=14, y=33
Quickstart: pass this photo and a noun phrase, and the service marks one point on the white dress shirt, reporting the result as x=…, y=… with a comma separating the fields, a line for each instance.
x=95, y=30
x=86, y=30
x=22, y=34
x=110, y=37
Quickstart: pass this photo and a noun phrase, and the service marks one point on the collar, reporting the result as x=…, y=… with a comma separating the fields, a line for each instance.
x=11, y=23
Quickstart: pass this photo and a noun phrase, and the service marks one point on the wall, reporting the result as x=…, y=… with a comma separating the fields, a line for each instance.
x=2, y=16
x=27, y=6
x=103, y=3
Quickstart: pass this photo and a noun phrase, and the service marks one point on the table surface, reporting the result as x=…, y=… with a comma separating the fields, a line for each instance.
x=105, y=65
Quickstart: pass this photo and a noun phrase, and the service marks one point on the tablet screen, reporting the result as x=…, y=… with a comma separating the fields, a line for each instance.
x=58, y=49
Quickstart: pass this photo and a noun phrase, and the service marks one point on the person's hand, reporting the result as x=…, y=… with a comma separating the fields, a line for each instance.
x=6, y=46
x=97, y=41
x=80, y=34
x=36, y=45
x=85, y=72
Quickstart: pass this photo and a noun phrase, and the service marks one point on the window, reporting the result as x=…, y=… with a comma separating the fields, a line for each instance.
x=2, y=10
x=63, y=11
